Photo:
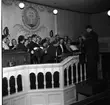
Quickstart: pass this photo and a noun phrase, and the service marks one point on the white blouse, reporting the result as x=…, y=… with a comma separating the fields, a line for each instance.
x=5, y=46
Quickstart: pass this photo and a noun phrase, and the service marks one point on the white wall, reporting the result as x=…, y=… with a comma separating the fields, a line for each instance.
x=68, y=23
x=12, y=17
x=71, y=23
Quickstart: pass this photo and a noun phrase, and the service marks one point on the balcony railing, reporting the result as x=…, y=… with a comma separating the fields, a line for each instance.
x=53, y=82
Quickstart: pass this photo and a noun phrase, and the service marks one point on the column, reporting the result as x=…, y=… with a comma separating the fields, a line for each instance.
x=81, y=72
x=55, y=20
x=76, y=72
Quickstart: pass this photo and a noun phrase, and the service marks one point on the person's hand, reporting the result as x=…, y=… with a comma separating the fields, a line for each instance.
x=36, y=48
x=14, y=47
x=32, y=52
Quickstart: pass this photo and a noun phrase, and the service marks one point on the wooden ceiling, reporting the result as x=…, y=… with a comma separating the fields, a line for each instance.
x=84, y=6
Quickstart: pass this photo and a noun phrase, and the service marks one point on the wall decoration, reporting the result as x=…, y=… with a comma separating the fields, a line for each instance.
x=30, y=18
x=41, y=8
x=43, y=31
x=20, y=30
x=8, y=2
x=49, y=9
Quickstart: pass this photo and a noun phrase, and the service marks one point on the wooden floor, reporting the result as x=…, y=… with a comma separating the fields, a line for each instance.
x=102, y=101
x=101, y=98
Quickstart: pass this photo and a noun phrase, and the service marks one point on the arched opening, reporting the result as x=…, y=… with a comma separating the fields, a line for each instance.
x=40, y=78
x=12, y=85
x=56, y=79
x=79, y=78
x=69, y=75
x=32, y=81
x=65, y=77
x=48, y=80
x=4, y=86
x=19, y=83
x=74, y=73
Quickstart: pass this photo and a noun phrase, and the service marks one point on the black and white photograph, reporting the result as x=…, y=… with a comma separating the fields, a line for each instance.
x=55, y=52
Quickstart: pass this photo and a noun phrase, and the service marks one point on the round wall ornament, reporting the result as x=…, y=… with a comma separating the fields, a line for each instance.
x=30, y=18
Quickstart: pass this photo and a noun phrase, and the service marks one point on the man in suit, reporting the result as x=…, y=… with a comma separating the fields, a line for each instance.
x=91, y=51
x=51, y=54
x=34, y=50
x=62, y=51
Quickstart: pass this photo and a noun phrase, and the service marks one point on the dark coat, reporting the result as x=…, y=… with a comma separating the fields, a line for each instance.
x=50, y=56
x=59, y=49
x=36, y=56
x=32, y=45
x=91, y=47
x=21, y=46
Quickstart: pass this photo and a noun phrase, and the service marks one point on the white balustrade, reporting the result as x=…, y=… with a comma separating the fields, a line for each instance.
x=25, y=71
x=44, y=80
x=52, y=80
x=36, y=81
x=15, y=84
x=76, y=72
x=85, y=72
x=8, y=85
x=49, y=68
x=81, y=72
x=72, y=72
x=67, y=76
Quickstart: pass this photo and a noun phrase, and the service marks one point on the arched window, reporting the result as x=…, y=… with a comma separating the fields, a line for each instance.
x=40, y=78
x=65, y=77
x=19, y=83
x=74, y=73
x=69, y=75
x=32, y=81
x=56, y=79
x=12, y=85
x=79, y=78
x=48, y=80
x=4, y=86
x=83, y=71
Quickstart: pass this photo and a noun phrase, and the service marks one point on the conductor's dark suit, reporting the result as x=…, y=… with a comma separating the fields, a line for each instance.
x=92, y=51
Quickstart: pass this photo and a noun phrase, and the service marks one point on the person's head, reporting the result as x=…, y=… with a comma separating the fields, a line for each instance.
x=39, y=39
x=65, y=38
x=69, y=41
x=26, y=42
x=13, y=42
x=7, y=41
x=51, y=33
x=21, y=39
x=29, y=39
x=61, y=41
x=34, y=37
x=80, y=38
x=57, y=37
x=55, y=43
x=45, y=44
x=47, y=39
x=89, y=28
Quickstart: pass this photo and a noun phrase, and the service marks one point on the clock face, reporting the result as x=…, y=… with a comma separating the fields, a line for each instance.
x=31, y=18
